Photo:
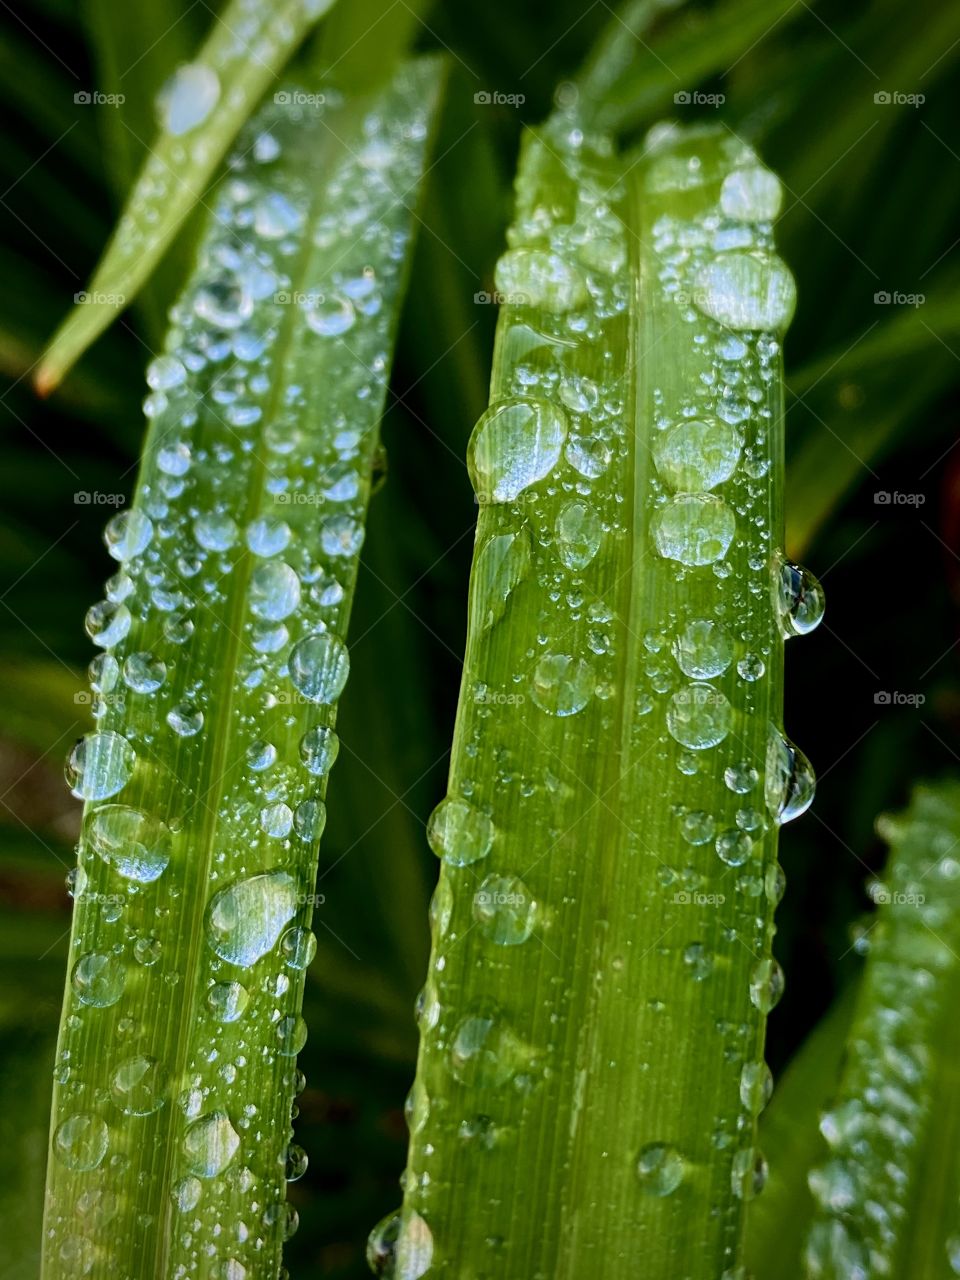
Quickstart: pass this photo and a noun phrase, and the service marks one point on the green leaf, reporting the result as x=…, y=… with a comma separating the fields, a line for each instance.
x=225, y=656
x=205, y=107
x=888, y=1189
x=778, y=1220
x=592, y=1028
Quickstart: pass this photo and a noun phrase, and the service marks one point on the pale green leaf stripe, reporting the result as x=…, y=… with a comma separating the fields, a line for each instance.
x=888, y=1189
x=591, y=1063
x=207, y=103
x=215, y=700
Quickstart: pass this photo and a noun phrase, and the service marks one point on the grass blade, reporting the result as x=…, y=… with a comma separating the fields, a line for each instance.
x=207, y=104
x=592, y=1026
x=224, y=660
x=887, y=1194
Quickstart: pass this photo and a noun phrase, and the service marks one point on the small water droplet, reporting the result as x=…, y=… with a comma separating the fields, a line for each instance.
x=244, y=921
x=227, y=1001
x=747, y=291
x=699, y=716
x=562, y=685
x=801, y=600
x=515, y=444
x=132, y=842
x=138, y=1085
x=660, y=1168
x=210, y=1144
x=319, y=666
x=81, y=1142
x=766, y=984
x=694, y=528
x=505, y=910
x=579, y=531
x=703, y=650
x=698, y=454
x=98, y=979
x=100, y=765
x=789, y=780
x=459, y=833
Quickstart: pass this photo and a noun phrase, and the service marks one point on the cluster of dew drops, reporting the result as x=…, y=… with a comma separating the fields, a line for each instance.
x=178, y=550
x=557, y=427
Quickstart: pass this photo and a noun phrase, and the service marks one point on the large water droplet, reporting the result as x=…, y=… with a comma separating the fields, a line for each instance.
x=789, y=781
x=459, y=833
x=537, y=278
x=245, y=920
x=699, y=716
x=660, y=1168
x=188, y=98
x=515, y=444
x=756, y=1086
x=107, y=623
x=753, y=290
x=502, y=564
x=81, y=1142
x=128, y=534
x=138, y=1086
x=319, y=666
x=751, y=195
x=210, y=1144
x=697, y=455
x=227, y=1000
x=579, y=530
x=100, y=765
x=318, y=750
x=766, y=985
x=703, y=649
x=274, y=591
x=505, y=910
x=562, y=685
x=98, y=979
x=800, y=598
x=132, y=842
x=694, y=528
x=485, y=1052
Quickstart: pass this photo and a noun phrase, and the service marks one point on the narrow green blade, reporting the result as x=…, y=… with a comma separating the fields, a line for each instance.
x=225, y=656
x=888, y=1192
x=203, y=109
x=591, y=1062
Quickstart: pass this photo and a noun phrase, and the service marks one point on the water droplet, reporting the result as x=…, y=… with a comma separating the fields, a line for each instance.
x=703, y=650
x=382, y=1246
x=741, y=777
x=128, y=534
x=185, y=719
x=98, y=979
x=144, y=673
x=694, y=528
x=275, y=217
x=699, y=716
x=751, y=195
x=186, y=1194
x=748, y=1173
x=734, y=847
x=100, y=765
x=485, y=1053
x=295, y=1162
x=579, y=531
x=132, y=842
x=515, y=444
x=562, y=685
x=138, y=1086
x=147, y=950
x=801, y=600
x=751, y=667
x=742, y=290
x=698, y=960
x=697, y=827
x=459, y=833
x=319, y=666
x=210, y=1144
x=588, y=455
x=505, y=910
x=276, y=820
x=274, y=591
x=697, y=455
x=537, y=278
x=107, y=623
x=291, y=1035
x=329, y=315
x=789, y=781
x=187, y=98
x=245, y=920
x=766, y=985
x=81, y=1142
x=267, y=537
x=502, y=564
x=298, y=947
x=660, y=1168
x=318, y=750
x=756, y=1086
x=227, y=1001
x=215, y=532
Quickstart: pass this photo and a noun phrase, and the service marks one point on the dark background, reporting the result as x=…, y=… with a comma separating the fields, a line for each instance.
x=872, y=193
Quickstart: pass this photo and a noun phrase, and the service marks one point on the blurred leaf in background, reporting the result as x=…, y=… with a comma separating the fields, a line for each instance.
x=852, y=104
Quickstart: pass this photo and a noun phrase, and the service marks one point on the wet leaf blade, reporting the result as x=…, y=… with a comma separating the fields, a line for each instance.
x=225, y=659
x=242, y=57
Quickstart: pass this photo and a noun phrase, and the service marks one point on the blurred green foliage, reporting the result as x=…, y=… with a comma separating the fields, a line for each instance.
x=872, y=200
